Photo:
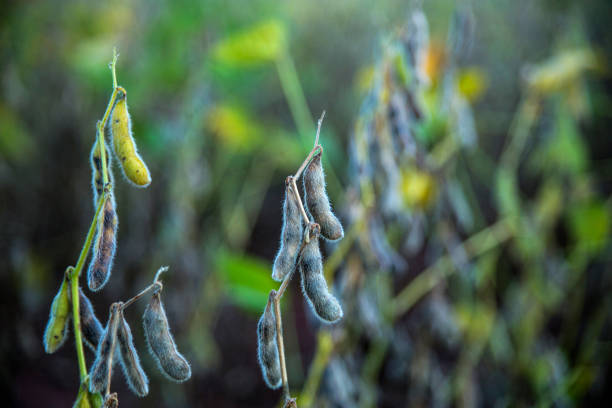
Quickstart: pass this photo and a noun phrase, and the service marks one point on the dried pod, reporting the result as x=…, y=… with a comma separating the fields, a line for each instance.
x=134, y=168
x=91, y=328
x=104, y=246
x=59, y=317
x=101, y=368
x=97, y=182
x=267, y=349
x=291, y=235
x=161, y=344
x=134, y=374
x=323, y=303
x=317, y=201
x=86, y=399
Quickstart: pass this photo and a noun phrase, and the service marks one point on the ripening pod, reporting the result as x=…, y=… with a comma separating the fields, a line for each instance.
x=317, y=201
x=134, y=168
x=323, y=303
x=161, y=344
x=291, y=235
x=104, y=246
x=87, y=399
x=101, y=367
x=134, y=374
x=97, y=182
x=59, y=317
x=91, y=328
x=267, y=348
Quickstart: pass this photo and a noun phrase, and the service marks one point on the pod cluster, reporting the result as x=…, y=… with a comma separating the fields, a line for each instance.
x=299, y=249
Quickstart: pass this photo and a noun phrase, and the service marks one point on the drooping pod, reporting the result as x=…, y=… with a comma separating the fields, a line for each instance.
x=134, y=374
x=134, y=168
x=267, y=349
x=104, y=246
x=101, y=367
x=317, y=201
x=97, y=182
x=291, y=235
x=91, y=328
x=323, y=303
x=59, y=317
x=161, y=344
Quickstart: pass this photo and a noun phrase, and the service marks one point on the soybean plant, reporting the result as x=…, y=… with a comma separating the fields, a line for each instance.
x=299, y=249
x=114, y=343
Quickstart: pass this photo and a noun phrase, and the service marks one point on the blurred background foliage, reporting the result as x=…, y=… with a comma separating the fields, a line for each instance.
x=467, y=151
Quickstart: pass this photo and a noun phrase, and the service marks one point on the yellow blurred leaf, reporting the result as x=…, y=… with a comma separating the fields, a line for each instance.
x=258, y=44
x=472, y=82
x=233, y=127
x=562, y=70
x=418, y=188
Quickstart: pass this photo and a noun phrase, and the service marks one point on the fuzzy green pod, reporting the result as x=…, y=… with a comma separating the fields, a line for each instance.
x=317, y=201
x=291, y=235
x=97, y=182
x=59, y=317
x=101, y=367
x=130, y=363
x=104, y=246
x=267, y=348
x=161, y=344
x=134, y=168
x=323, y=303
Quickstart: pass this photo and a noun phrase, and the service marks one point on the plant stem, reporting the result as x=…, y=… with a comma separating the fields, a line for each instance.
x=299, y=200
x=74, y=274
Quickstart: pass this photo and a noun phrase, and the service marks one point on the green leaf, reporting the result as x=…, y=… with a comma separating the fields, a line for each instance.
x=258, y=44
x=589, y=223
x=247, y=279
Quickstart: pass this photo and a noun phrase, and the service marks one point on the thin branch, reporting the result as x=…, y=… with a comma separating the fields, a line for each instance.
x=281, y=345
x=299, y=200
x=319, y=122
x=155, y=285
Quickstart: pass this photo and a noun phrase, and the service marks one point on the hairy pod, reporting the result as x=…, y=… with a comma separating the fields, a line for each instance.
x=101, y=367
x=91, y=328
x=134, y=168
x=291, y=235
x=267, y=348
x=317, y=201
x=95, y=159
x=104, y=246
x=323, y=303
x=130, y=363
x=59, y=317
x=161, y=344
